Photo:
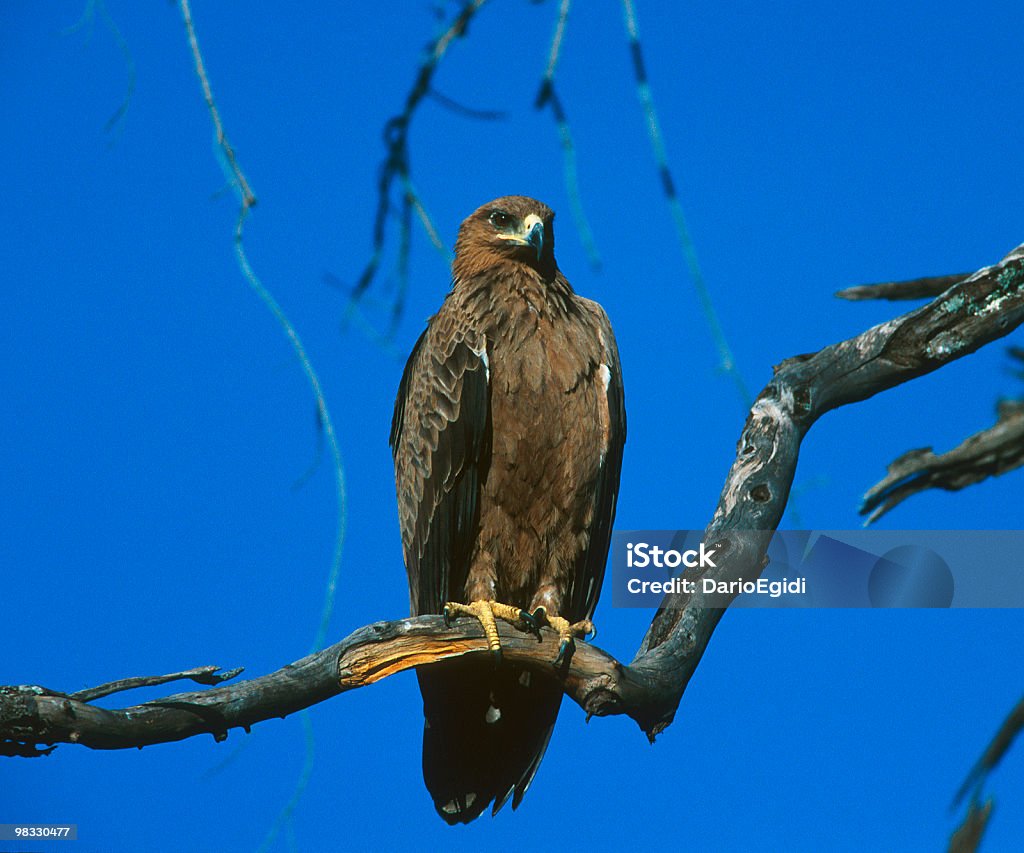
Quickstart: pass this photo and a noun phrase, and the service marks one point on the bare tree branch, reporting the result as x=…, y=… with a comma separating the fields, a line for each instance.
x=547, y=96
x=993, y=754
x=983, y=308
x=200, y=675
x=88, y=18
x=247, y=195
x=31, y=715
x=462, y=109
x=918, y=288
x=324, y=421
x=396, y=161
x=1017, y=353
x=968, y=835
x=727, y=363
x=988, y=453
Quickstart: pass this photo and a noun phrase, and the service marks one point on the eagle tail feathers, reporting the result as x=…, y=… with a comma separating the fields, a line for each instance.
x=485, y=732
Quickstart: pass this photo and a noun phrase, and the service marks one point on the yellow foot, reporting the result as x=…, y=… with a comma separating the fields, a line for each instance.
x=567, y=632
x=486, y=612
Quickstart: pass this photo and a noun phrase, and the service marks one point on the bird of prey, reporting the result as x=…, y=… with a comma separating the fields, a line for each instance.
x=507, y=440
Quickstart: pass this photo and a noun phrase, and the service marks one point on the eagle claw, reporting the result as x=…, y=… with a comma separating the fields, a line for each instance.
x=485, y=611
x=567, y=632
x=534, y=620
x=563, y=647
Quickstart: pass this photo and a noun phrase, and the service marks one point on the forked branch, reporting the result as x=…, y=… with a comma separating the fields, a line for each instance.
x=984, y=307
x=988, y=453
x=31, y=715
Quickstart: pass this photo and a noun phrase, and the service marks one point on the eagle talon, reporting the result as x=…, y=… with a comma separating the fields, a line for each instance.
x=562, y=649
x=533, y=621
x=485, y=611
x=567, y=632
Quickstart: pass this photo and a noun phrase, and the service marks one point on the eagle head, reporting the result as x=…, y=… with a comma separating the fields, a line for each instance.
x=511, y=228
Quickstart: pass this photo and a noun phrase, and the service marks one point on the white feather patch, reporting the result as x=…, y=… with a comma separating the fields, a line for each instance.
x=482, y=355
x=604, y=412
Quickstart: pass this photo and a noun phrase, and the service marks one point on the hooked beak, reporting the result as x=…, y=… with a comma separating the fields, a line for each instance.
x=531, y=234
x=534, y=228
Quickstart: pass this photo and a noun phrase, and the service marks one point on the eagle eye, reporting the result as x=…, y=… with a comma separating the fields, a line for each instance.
x=500, y=219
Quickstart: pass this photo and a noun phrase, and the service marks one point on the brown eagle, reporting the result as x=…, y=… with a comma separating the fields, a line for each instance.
x=507, y=440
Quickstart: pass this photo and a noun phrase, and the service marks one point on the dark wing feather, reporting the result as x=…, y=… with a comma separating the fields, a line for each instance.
x=440, y=440
x=590, y=568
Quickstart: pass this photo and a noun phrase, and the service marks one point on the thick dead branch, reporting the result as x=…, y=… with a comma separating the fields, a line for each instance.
x=985, y=454
x=918, y=288
x=981, y=309
x=32, y=715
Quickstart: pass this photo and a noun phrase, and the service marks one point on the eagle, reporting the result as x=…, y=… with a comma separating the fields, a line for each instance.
x=507, y=440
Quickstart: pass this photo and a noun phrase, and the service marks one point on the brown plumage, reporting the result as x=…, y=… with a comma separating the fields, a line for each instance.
x=507, y=439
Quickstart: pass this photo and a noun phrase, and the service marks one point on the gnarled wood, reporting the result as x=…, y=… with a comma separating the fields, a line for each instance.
x=988, y=453
x=31, y=715
x=918, y=288
x=984, y=307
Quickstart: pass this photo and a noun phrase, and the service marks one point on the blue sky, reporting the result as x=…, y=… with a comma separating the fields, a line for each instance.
x=156, y=420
